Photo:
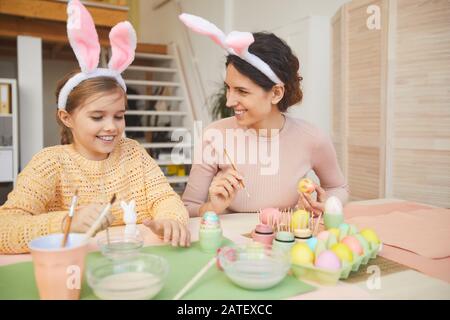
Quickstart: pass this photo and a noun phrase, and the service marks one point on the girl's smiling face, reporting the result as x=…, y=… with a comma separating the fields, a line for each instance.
x=253, y=106
x=97, y=125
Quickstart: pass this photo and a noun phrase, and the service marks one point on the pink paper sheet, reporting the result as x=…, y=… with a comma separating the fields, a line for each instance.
x=398, y=232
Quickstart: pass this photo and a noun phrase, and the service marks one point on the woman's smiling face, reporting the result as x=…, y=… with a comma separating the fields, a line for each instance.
x=252, y=105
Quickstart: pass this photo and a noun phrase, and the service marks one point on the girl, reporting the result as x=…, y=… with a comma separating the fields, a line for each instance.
x=262, y=82
x=94, y=158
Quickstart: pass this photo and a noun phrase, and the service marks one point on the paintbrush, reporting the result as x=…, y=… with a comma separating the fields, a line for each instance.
x=69, y=218
x=235, y=169
x=97, y=222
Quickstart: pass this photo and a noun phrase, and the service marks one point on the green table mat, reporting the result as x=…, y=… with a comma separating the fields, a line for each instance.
x=17, y=280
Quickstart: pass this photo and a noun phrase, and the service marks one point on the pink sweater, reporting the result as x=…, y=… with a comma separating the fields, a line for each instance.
x=270, y=180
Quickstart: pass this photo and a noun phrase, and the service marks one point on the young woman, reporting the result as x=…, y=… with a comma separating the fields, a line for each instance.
x=262, y=81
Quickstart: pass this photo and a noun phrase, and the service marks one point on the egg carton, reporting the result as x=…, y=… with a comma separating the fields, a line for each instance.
x=328, y=277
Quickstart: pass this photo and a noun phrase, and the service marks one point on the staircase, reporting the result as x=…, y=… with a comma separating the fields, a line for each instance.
x=160, y=115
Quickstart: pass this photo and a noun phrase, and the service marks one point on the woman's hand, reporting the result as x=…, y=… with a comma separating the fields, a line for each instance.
x=85, y=216
x=222, y=191
x=317, y=206
x=171, y=231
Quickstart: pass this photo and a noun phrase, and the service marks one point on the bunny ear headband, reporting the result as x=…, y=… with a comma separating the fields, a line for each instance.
x=235, y=43
x=83, y=39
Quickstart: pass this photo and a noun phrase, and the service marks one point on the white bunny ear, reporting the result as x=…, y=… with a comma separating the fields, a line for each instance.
x=82, y=36
x=123, y=204
x=123, y=44
x=239, y=41
x=203, y=26
x=132, y=204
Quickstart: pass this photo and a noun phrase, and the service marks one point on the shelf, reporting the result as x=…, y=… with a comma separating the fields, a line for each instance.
x=177, y=179
x=5, y=115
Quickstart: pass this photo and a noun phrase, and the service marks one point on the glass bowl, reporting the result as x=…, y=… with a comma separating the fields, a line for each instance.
x=254, y=266
x=140, y=277
x=120, y=246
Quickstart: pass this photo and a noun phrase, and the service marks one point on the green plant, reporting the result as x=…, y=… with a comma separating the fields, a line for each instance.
x=219, y=110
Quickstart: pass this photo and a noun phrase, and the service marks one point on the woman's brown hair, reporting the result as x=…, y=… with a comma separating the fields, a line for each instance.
x=80, y=94
x=279, y=56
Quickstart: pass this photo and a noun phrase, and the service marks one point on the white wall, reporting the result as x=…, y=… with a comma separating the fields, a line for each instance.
x=258, y=15
x=53, y=70
x=162, y=26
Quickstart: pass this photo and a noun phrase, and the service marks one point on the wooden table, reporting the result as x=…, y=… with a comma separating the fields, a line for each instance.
x=408, y=284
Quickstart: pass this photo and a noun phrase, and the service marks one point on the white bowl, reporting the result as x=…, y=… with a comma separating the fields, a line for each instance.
x=120, y=246
x=140, y=277
x=254, y=267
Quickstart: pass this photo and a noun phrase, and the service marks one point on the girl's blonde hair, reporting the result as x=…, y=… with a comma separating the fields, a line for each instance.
x=80, y=94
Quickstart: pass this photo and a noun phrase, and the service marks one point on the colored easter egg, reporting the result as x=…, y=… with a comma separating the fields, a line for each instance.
x=370, y=236
x=312, y=242
x=270, y=215
x=210, y=216
x=300, y=219
x=328, y=260
x=333, y=205
x=335, y=231
x=343, y=252
x=353, y=244
x=301, y=254
x=306, y=186
x=323, y=235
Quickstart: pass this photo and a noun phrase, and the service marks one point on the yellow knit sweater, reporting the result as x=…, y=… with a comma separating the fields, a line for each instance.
x=43, y=192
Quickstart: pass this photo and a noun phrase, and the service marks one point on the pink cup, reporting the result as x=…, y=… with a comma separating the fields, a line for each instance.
x=59, y=271
x=263, y=234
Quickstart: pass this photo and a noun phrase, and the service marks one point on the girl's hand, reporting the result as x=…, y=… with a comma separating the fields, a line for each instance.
x=317, y=206
x=85, y=216
x=222, y=190
x=171, y=231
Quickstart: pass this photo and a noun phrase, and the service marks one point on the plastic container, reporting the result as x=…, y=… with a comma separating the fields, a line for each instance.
x=263, y=234
x=52, y=263
x=284, y=241
x=140, y=277
x=327, y=277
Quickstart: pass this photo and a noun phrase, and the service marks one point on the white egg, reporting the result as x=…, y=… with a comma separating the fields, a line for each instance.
x=333, y=206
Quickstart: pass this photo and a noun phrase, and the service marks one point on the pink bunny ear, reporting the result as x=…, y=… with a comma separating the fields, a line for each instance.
x=239, y=41
x=82, y=35
x=204, y=27
x=123, y=44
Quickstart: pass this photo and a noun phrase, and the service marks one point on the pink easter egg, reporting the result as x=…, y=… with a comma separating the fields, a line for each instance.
x=270, y=215
x=328, y=260
x=323, y=235
x=353, y=244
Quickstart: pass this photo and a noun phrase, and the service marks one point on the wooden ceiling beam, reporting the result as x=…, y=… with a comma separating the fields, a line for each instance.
x=55, y=32
x=56, y=11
